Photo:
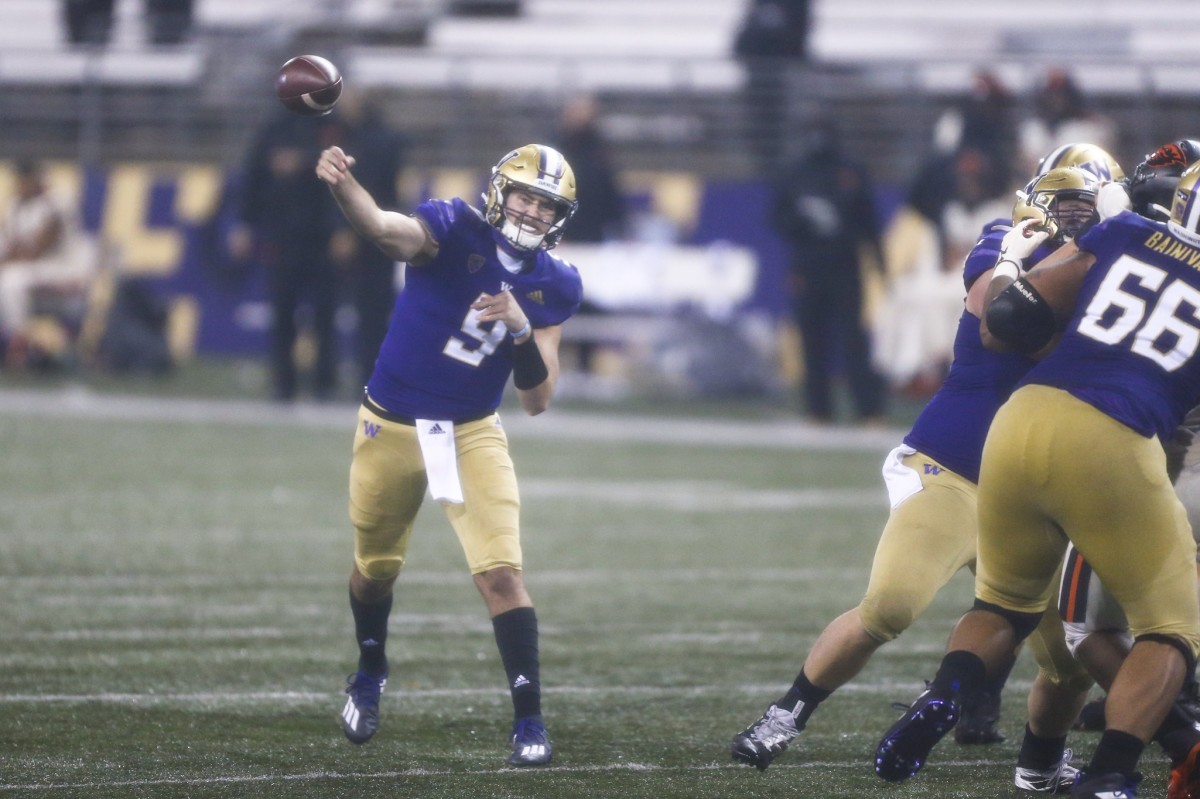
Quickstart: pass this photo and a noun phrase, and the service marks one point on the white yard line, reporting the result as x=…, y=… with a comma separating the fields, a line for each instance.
x=473, y=774
x=81, y=403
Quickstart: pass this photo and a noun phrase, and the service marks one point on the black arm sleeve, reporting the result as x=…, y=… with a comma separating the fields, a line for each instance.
x=529, y=370
x=1021, y=318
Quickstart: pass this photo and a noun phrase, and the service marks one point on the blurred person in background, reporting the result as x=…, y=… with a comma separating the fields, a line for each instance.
x=483, y=301
x=287, y=223
x=42, y=247
x=824, y=208
x=1062, y=114
x=602, y=214
x=359, y=127
x=772, y=37
x=91, y=21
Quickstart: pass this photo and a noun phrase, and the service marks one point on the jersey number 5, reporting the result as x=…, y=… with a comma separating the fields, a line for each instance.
x=1161, y=332
x=489, y=339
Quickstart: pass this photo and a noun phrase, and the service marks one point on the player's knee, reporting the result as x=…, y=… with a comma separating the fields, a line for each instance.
x=1023, y=623
x=1185, y=647
x=500, y=550
x=885, y=619
x=379, y=568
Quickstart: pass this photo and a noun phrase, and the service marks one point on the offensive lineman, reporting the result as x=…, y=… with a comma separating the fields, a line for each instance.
x=1092, y=414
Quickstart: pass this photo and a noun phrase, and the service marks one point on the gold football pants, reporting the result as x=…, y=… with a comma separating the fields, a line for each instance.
x=388, y=483
x=1055, y=467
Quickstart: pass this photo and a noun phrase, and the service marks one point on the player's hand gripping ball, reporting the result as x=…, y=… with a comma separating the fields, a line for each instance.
x=309, y=85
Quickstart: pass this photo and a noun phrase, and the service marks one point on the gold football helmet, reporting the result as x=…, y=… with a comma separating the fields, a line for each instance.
x=1185, y=208
x=1087, y=157
x=1044, y=199
x=542, y=171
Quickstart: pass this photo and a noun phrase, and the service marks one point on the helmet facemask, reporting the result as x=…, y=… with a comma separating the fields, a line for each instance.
x=543, y=173
x=1063, y=201
x=1185, y=208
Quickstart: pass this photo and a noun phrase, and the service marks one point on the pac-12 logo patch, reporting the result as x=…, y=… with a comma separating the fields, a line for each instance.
x=475, y=262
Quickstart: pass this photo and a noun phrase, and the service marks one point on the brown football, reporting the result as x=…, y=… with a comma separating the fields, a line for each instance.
x=309, y=85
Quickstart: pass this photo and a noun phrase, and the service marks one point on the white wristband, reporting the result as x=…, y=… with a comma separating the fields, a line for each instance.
x=1008, y=269
x=523, y=331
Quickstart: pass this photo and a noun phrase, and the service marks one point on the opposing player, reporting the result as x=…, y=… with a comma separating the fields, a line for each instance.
x=483, y=299
x=1090, y=415
x=931, y=531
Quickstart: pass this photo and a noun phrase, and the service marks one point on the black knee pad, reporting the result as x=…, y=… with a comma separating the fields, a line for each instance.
x=1188, y=658
x=1023, y=624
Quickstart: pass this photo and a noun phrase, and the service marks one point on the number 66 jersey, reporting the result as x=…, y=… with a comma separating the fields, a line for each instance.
x=437, y=361
x=1131, y=347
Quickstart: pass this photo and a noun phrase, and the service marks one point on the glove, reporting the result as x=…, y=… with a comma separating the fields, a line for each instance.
x=1111, y=199
x=1020, y=242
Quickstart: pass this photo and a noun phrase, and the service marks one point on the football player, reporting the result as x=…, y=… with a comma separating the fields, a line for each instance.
x=1074, y=455
x=931, y=531
x=483, y=299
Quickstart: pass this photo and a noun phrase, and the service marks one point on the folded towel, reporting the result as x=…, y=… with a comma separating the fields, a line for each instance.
x=441, y=459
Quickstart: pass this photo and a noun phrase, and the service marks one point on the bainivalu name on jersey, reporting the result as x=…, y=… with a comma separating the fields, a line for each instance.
x=1174, y=248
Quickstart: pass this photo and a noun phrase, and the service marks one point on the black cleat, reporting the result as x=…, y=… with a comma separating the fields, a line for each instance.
x=1106, y=786
x=758, y=744
x=360, y=716
x=530, y=743
x=980, y=715
x=903, y=750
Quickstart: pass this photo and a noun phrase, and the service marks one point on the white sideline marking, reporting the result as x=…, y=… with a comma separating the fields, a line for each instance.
x=81, y=403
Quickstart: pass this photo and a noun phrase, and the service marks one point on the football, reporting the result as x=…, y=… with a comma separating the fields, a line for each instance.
x=309, y=85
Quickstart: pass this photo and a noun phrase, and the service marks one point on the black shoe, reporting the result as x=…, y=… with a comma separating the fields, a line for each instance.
x=530, y=743
x=360, y=716
x=758, y=744
x=980, y=715
x=1091, y=717
x=1106, y=786
x=904, y=748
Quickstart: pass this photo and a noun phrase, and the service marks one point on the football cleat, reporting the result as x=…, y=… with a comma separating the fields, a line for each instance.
x=530, y=743
x=1112, y=785
x=1091, y=717
x=1056, y=779
x=903, y=750
x=979, y=719
x=360, y=716
x=1185, y=778
x=758, y=744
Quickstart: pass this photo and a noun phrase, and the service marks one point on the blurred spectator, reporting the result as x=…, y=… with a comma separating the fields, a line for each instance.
x=951, y=200
x=824, y=208
x=168, y=21
x=982, y=121
x=287, y=223
x=602, y=214
x=360, y=130
x=43, y=248
x=88, y=21
x=91, y=21
x=1061, y=116
x=772, y=34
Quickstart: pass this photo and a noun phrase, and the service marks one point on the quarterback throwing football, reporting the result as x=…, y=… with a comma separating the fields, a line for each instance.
x=483, y=300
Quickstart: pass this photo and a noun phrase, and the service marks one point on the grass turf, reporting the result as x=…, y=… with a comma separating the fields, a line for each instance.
x=173, y=620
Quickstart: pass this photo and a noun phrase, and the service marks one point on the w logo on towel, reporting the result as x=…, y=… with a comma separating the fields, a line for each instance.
x=370, y=429
x=932, y=468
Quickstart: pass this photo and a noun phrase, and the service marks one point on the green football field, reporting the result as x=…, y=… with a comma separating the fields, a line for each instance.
x=174, y=623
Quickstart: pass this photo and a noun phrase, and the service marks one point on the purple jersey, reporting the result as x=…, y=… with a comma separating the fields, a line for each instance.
x=953, y=425
x=437, y=361
x=1130, y=348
